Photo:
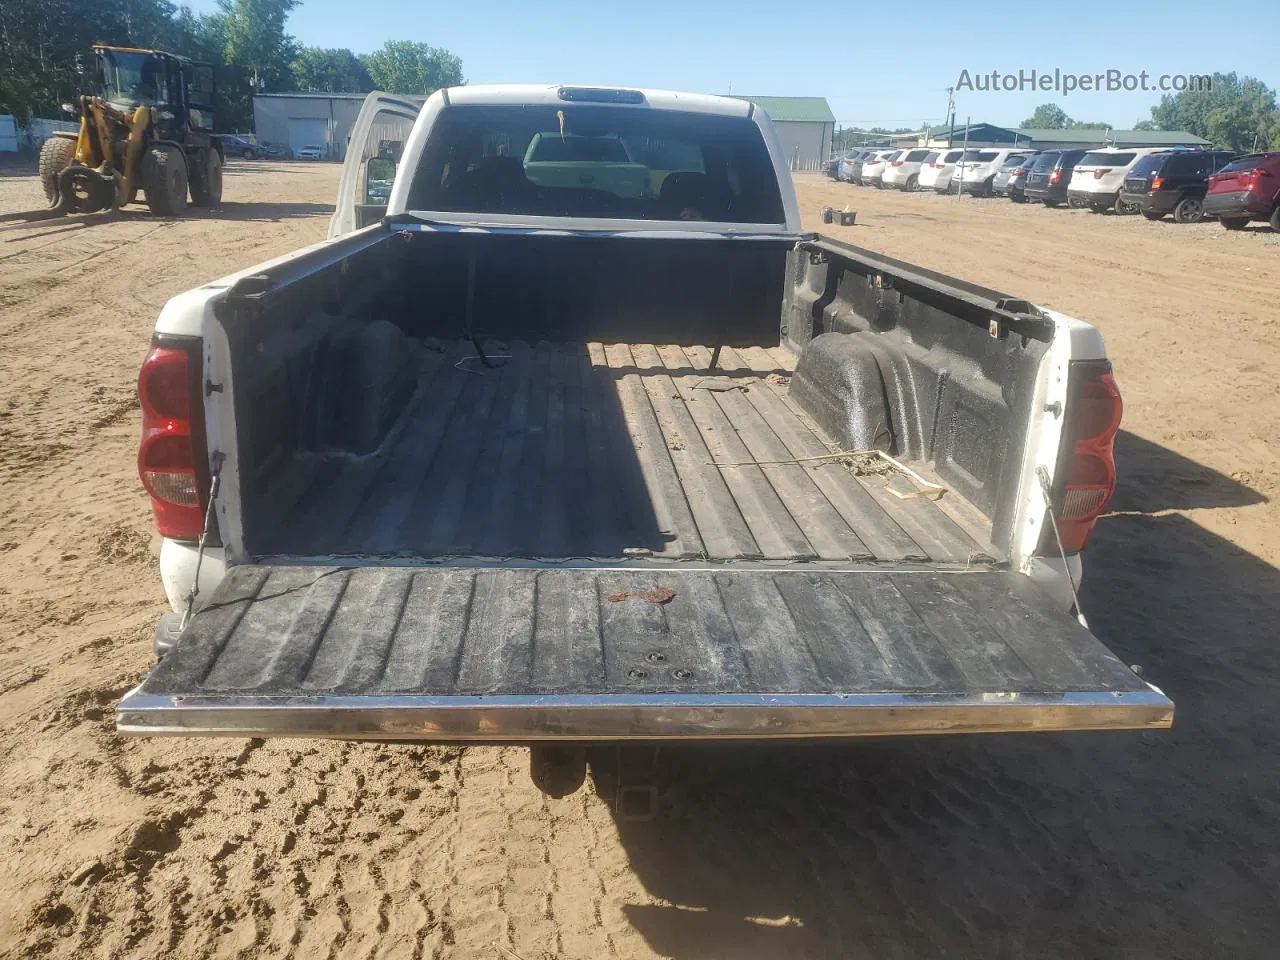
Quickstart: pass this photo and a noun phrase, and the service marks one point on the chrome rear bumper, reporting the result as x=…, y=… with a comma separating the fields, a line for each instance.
x=638, y=717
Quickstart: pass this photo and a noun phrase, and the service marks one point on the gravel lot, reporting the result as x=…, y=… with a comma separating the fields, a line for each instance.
x=1160, y=844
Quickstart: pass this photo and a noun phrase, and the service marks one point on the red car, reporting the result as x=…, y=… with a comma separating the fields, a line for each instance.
x=1247, y=188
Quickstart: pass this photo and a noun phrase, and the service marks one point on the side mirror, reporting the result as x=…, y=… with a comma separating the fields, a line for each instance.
x=379, y=175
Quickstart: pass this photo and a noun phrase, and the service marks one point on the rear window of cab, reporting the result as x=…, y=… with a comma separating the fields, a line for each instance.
x=643, y=164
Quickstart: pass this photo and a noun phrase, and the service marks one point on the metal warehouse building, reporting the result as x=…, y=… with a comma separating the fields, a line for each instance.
x=296, y=120
x=805, y=125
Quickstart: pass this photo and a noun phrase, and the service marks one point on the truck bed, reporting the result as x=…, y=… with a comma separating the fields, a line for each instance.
x=610, y=451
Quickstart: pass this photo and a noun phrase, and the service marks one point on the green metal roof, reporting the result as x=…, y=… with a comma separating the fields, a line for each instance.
x=794, y=109
x=1154, y=138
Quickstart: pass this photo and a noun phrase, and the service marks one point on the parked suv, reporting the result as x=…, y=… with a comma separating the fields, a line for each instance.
x=1096, y=181
x=236, y=146
x=851, y=167
x=977, y=169
x=874, y=166
x=1173, y=181
x=1247, y=188
x=938, y=169
x=1016, y=187
x=1013, y=164
x=904, y=173
x=1047, y=180
x=832, y=167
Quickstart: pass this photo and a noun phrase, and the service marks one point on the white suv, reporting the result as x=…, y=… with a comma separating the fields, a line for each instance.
x=874, y=166
x=938, y=168
x=977, y=169
x=1099, y=176
x=904, y=173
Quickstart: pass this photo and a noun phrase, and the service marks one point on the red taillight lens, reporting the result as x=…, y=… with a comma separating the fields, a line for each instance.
x=1092, y=421
x=1100, y=173
x=1157, y=183
x=166, y=455
x=896, y=163
x=1055, y=176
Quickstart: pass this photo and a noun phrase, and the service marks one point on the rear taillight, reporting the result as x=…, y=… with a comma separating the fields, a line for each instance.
x=1086, y=468
x=1157, y=183
x=167, y=456
x=1055, y=177
x=1100, y=173
x=896, y=163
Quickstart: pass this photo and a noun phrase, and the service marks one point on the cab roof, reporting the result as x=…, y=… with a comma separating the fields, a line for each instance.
x=558, y=94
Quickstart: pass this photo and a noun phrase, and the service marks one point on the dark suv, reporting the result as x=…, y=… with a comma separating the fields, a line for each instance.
x=1173, y=181
x=1046, y=181
x=235, y=146
x=1247, y=188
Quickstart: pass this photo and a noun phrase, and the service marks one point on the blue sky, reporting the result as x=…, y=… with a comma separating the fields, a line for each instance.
x=876, y=62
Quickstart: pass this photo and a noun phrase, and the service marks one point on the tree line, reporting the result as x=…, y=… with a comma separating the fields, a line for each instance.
x=245, y=40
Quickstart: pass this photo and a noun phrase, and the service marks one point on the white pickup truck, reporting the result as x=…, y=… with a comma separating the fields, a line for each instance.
x=520, y=462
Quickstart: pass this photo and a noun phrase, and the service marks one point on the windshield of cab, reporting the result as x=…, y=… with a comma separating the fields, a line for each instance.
x=599, y=161
x=129, y=79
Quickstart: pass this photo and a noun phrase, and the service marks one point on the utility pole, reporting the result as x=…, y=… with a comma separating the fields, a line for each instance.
x=951, y=117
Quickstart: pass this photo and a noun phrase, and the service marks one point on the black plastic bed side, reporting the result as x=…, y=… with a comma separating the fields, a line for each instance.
x=956, y=395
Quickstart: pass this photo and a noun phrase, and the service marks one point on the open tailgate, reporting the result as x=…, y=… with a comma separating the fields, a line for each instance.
x=521, y=654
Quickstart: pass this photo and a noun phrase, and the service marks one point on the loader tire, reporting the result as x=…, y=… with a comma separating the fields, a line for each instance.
x=164, y=178
x=206, y=189
x=55, y=155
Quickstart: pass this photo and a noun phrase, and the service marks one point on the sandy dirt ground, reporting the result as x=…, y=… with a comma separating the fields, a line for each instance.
x=1160, y=844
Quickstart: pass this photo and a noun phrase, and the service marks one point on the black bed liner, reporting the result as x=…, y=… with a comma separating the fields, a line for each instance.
x=512, y=654
x=609, y=451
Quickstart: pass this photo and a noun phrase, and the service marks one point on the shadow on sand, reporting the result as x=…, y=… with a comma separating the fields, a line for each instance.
x=1124, y=845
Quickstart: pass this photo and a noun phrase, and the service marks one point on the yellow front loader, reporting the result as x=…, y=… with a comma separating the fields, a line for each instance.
x=147, y=125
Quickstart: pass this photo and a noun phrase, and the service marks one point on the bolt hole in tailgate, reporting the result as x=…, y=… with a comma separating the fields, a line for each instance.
x=535, y=654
